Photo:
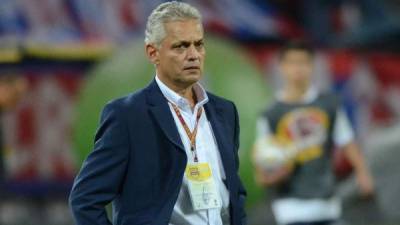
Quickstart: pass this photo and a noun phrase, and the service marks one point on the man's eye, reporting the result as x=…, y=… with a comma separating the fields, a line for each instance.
x=180, y=46
x=200, y=44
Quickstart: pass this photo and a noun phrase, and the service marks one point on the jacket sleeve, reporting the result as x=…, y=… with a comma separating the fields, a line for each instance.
x=102, y=173
x=242, y=191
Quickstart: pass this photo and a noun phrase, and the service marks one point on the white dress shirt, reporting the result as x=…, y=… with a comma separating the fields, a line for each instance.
x=207, y=151
x=289, y=210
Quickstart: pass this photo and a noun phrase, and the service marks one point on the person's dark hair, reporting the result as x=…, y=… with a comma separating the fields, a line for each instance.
x=296, y=45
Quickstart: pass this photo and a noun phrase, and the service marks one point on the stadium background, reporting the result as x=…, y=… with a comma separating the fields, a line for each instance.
x=77, y=55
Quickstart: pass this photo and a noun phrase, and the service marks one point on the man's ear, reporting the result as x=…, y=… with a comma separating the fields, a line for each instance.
x=152, y=53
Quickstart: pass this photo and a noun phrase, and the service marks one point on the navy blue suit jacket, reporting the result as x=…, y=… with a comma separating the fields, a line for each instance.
x=138, y=161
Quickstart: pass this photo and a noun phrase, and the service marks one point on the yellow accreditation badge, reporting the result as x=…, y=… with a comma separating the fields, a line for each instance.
x=202, y=188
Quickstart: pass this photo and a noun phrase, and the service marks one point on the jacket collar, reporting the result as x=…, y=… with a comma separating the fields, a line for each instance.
x=180, y=101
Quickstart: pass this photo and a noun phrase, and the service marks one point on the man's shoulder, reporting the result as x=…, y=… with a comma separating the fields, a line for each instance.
x=271, y=107
x=125, y=104
x=220, y=101
x=328, y=95
x=330, y=98
x=128, y=100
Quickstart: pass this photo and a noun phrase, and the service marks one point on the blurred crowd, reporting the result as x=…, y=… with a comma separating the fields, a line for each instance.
x=357, y=57
x=354, y=23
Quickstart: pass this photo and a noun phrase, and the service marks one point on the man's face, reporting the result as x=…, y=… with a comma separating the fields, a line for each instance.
x=179, y=58
x=297, y=67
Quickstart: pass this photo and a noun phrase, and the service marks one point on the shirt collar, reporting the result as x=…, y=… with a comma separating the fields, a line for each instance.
x=310, y=95
x=181, y=102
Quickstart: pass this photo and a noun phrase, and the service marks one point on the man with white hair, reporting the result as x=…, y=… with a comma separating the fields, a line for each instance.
x=166, y=154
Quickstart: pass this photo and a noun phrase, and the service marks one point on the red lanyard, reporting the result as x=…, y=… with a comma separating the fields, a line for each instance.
x=191, y=135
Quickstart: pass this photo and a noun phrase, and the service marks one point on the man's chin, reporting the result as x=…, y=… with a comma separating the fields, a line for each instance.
x=190, y=79
x=193, y=76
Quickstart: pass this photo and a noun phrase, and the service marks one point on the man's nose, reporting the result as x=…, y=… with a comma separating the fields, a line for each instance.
x=193, y=53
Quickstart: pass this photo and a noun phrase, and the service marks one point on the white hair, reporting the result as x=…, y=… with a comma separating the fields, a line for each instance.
x=164, y=13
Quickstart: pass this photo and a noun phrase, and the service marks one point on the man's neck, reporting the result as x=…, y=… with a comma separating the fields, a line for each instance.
x=294, y=93
x=184, y=91
x=187, y=93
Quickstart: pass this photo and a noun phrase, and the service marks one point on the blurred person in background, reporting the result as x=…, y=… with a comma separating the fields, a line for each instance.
x=293, y=152
x=166, y=154
x=12, y=88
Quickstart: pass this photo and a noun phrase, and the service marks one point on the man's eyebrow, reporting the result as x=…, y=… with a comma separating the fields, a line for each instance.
x=199, y=41
x=189, y=42
x=181, y=42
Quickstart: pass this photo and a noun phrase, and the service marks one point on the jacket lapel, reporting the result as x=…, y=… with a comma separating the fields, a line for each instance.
x=160, y=110
x=162, y=114
x=215, y=116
